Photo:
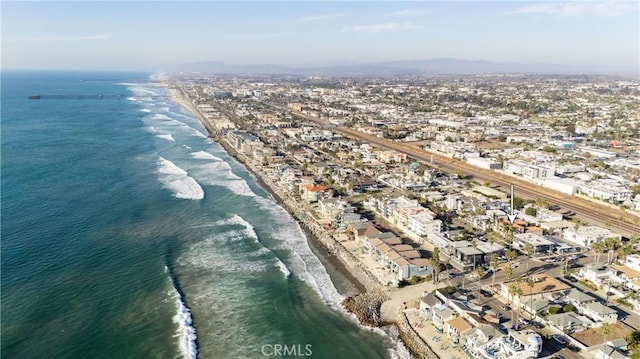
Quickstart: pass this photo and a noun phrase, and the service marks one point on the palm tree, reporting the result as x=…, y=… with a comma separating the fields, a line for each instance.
x=529, y=249
x=480, y=271
x=494, y=267
x=515, y=292
x=508, y=272
x=611, y=243
x=624, y=251
x=474, y=245
x=598, y=247
x=606, y=330
x=511, y=255
x=435, y=263
x=512, y=292
x=509, y=236
x=531, y=284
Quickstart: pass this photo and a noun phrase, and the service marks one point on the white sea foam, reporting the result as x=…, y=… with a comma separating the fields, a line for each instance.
x=132, y=99
x=283, y=268
x=186, y=332
x=187, y=147
x=166, y=136
x=159, y=116
x=209, y=256
x=303, y=261
x=220, y=174
x=250, y=232
x=205, y=156
x=145, y=110
x=237, y=220
x=178, y=181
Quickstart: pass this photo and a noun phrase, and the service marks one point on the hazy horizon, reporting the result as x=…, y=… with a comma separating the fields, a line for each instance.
x=154, y=36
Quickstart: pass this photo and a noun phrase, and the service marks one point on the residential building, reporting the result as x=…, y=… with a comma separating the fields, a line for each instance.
x=514, y=345
x=587, y=235
x=599, y=313
x=569, y=322
x=539, y=243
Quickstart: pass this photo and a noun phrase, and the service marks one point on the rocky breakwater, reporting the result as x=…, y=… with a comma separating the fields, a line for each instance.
x=412, y=340
x=366, y=307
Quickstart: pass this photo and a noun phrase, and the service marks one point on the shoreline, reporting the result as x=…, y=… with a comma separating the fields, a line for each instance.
x=366, y=304
x=321, y=243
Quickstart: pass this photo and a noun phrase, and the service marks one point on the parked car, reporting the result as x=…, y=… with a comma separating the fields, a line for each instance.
x=538, y=325
x=559, y=339
x=524, y=321
x=570, y=278
x=559, y=356
x=485, y=293
x=505, y=307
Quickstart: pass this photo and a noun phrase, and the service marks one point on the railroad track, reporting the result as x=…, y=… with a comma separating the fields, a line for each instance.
x=599, y=214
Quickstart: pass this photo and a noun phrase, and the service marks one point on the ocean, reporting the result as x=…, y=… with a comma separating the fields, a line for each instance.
x=127, y=233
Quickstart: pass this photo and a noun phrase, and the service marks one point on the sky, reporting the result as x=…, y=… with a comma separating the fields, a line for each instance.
x=153, y=35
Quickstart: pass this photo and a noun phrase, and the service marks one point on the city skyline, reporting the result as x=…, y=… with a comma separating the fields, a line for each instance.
x=154, y=36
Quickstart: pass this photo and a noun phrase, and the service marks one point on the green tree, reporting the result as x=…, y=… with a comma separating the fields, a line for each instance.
x=633, y=339
x=568, y=308
x=530, y=211
x=555, y=310
x=518, y=203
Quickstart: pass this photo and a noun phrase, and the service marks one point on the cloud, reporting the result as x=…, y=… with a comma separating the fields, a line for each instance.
x=384, y=27
x=61, y=38
x=610, y=8
x=319, y=17
x=407, y=12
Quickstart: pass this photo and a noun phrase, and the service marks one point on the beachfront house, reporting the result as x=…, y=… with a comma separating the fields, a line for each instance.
x=312, y=192
x=427, y=303
x=457, y=327
x=514, y=345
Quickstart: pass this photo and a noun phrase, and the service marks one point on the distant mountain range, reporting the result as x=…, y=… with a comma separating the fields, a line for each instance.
x=439, y=66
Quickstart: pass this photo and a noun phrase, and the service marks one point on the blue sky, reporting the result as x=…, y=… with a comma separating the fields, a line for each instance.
x=153, y=35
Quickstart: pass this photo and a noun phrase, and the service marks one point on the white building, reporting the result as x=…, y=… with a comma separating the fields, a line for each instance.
x=486, y=163
x=607, y=190
x=587, y=235
x=515, y=345
x=422, y=224
x=633, y=262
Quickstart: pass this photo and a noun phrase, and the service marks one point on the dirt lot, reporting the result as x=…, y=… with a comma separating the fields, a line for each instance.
x=594, y=336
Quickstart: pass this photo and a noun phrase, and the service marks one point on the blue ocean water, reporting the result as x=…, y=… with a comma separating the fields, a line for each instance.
x=127, y=233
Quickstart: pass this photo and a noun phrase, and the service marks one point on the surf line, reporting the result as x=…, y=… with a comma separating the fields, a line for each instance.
x=188, y=339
